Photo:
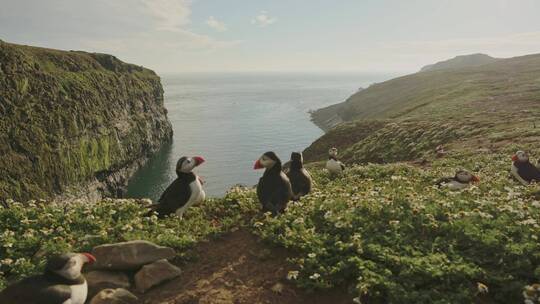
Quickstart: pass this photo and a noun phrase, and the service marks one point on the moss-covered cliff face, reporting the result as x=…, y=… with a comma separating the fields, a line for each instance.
x=70, y=119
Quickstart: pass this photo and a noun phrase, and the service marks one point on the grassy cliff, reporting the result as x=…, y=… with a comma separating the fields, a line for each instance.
x=480, y=106
x=70, y=118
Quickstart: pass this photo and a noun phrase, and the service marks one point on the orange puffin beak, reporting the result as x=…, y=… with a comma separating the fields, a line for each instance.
x=198, y=160
x=257, y=165
x=515, y=158
x=475, y=179
x=91, y=258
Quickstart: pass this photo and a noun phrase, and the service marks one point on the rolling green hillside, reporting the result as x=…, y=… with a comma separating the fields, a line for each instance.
x=460, y=62
x=482, y=107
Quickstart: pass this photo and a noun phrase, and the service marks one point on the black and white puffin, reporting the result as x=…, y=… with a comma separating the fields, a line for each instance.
x=274, y=188
x=523, y=170
x=61, y=283
x=333, y=165
x=184, y=191
x=298, y=176
x=461, y=180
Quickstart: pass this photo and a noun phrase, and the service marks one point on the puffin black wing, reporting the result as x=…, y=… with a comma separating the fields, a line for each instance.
x=274, y=191
x=528, y=171
x=175, y=196
x=35, y=290
x=56, y=294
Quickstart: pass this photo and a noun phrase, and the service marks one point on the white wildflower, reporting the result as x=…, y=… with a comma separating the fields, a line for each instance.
x=292, y=275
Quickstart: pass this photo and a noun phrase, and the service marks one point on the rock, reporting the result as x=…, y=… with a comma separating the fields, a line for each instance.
x=155, y=274
x=129, y=255
x=114, y=296
x=99, y=280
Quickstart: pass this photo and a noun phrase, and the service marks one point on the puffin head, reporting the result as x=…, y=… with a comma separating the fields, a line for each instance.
x=267, y=160
x=297, y=160
x=297, y=157
x=187, y=164
x=333, y=152
x=464, y=176
x=520, y=156
x=69, y=265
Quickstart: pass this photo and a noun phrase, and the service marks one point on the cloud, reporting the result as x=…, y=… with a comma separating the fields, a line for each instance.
x=162, y=40
x=216, y=24
x=503, y=45
x=263, y=19
x=171, y=15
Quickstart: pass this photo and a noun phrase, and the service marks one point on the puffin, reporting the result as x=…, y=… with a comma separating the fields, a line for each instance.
x=461, y=180
x=333, y=165
x=60, y=283
x=298, y=176
x=274, y=188
x=523, y=170
x=184, y=191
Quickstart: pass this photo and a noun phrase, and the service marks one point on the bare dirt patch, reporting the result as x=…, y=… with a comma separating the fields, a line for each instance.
x=238, y=268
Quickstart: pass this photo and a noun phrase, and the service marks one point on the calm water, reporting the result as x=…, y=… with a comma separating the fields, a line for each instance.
x=231, y=119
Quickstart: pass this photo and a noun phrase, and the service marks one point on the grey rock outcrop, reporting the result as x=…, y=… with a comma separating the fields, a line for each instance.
x=129, y=255
x=154, y=274
x=114, y=296
x=99, y=280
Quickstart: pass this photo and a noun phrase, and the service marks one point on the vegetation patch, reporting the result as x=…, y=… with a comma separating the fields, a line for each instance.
x=394, y=237
x=31, y=232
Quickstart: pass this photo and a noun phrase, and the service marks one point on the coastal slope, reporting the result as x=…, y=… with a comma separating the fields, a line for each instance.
x=400, y=119
x=74, y=122
x=460, y=62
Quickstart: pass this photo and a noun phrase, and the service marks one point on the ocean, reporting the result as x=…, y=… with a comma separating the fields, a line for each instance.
x=231, y=119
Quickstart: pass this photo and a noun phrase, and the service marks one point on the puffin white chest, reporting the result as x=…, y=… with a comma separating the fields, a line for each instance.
x=197, y=196
x=455, y=185
x=78, y=294
x=197, y=192
x=334, y=166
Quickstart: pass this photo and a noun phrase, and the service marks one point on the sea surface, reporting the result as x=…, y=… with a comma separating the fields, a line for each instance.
x=231, y=119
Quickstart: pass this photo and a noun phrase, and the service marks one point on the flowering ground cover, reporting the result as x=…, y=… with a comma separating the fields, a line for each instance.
x=394, y=237
x=383, y=230
x=32, y=231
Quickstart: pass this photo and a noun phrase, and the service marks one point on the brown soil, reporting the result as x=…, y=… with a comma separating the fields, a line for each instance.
x=235, y=269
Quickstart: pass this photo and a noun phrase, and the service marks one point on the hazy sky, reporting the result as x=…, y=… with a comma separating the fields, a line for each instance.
x=277, y=35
